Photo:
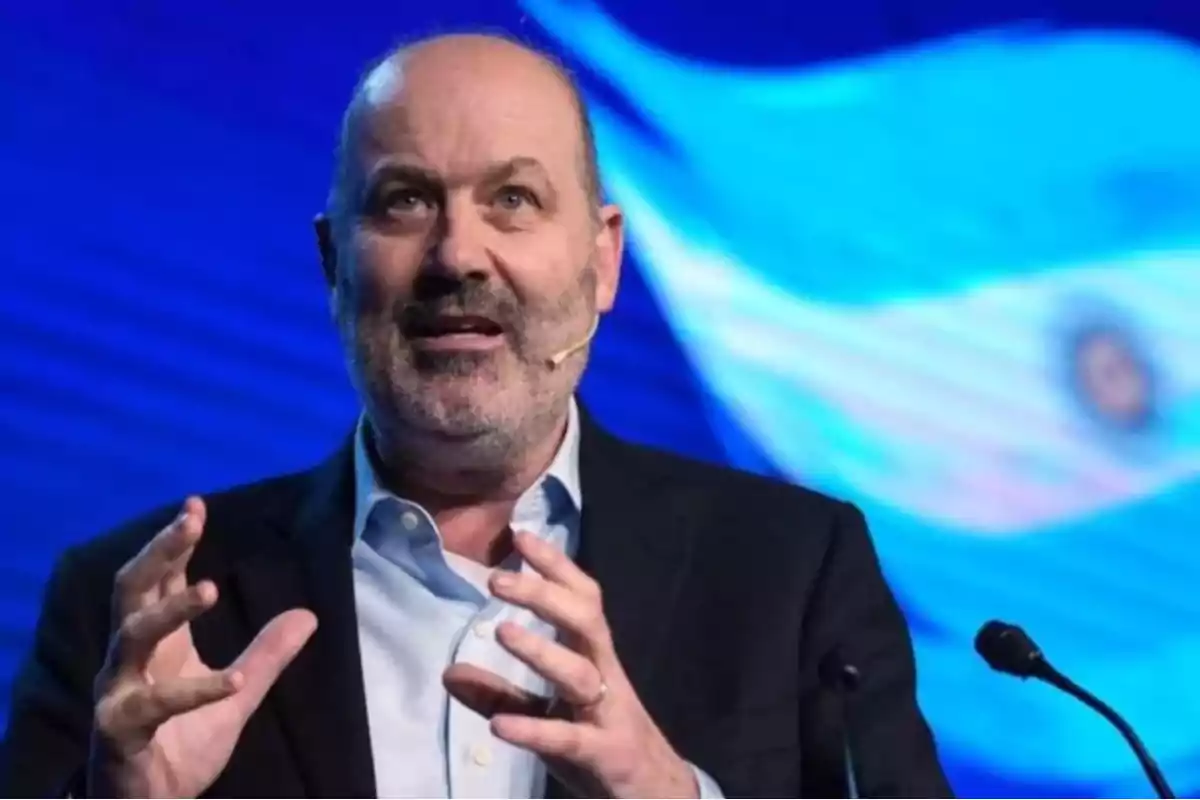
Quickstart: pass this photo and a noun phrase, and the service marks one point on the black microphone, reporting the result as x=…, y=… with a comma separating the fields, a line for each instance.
x=1007, y=648
x=842, y=679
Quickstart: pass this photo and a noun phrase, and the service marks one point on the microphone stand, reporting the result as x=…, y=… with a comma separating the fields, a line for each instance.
x=1050, y=675
x=1009, y=649
x=842, y=678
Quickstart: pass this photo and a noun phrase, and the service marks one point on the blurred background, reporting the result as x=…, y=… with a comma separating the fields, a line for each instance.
x=938, y=257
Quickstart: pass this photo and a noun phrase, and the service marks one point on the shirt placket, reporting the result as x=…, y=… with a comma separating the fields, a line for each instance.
x=471, y=747
x=480, y=765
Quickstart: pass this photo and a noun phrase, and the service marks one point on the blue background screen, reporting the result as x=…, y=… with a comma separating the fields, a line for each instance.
x=938, y=258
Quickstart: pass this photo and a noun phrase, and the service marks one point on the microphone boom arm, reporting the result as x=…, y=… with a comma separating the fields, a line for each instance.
x=1055, y=678
x=1007, y=648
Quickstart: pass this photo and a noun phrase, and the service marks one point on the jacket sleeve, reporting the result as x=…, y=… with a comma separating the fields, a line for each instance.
x=45, y=747
x=854, y=613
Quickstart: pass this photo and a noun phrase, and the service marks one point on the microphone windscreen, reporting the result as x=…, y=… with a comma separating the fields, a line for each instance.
x=1007, y=648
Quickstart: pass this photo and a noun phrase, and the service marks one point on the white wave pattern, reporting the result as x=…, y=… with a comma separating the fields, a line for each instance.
x=949, y=404
x=959, y=393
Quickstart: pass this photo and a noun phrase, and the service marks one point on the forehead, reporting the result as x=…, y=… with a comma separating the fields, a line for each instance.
x=457, y=110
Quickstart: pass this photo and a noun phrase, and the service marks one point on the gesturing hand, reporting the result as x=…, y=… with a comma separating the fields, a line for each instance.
x=165, y=723
x=598, y=738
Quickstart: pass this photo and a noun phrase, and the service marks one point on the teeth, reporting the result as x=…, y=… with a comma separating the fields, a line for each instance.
x=450, y=326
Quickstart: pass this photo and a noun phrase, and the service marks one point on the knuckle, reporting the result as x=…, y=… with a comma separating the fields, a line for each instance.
x=134, y=707
x=124, y=576
x=591, y=590
x=535, y=596
x=117, y=715
x=622, y=755
x=536, y=591
x=584, y=675
x=595, y=627
x=185, y=602
x=143, y=704
x=105, y=717
x=128, y=632
x=574, y=746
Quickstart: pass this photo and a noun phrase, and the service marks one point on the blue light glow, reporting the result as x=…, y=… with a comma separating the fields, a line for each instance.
x=876, y=268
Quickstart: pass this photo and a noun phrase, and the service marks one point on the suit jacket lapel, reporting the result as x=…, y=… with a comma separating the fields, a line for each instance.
x=635, y=541
x=320, y=696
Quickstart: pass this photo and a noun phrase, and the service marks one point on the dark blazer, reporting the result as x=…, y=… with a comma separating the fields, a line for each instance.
x=723, y=590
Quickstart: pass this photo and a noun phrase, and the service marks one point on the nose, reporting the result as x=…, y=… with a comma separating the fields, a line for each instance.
x=460, y=249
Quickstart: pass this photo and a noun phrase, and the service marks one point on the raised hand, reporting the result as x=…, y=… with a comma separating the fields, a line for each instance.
x=596, y=737
x=166, y=723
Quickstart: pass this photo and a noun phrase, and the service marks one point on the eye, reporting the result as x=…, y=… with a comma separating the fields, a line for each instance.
x=404, y=200
x=513, y=198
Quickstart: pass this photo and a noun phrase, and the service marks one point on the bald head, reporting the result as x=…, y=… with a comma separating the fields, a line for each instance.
x=426, y=66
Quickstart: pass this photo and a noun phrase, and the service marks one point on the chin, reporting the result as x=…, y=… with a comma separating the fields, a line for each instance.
x=467, y=446
x=461, y=413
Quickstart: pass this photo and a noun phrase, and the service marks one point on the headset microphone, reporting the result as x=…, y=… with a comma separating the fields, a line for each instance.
x=556, y=360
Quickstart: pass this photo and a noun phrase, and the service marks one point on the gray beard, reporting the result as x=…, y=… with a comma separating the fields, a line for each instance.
x=466, y=434
x=462, y=364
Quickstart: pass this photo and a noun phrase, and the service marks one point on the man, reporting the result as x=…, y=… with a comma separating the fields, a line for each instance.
x=482, y=593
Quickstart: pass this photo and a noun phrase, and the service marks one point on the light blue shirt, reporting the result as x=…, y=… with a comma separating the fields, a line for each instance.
x=420, y=609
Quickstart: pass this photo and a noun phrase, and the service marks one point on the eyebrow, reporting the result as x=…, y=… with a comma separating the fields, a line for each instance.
x=498, y=172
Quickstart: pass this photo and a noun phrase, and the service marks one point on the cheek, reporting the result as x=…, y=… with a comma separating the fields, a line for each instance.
x=543, y=269
x=383, y=265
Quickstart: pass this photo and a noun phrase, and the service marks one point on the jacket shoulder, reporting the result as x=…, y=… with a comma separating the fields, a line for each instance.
x=726, y=490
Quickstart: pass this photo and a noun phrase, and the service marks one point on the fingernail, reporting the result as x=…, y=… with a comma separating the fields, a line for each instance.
x=504, y=580
x=505, y=726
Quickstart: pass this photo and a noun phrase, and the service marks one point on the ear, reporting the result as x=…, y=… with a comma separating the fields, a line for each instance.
x=610, y=248
x=326, y=249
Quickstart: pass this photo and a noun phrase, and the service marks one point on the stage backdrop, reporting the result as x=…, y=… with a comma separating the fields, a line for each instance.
x=939, y=258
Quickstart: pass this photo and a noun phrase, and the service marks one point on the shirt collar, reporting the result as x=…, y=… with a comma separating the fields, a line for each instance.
x=564, y=468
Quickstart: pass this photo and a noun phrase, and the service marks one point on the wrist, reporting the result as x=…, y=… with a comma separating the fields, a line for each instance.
x=677, y=780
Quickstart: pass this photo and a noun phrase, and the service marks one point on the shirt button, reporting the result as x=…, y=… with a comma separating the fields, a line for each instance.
x=409, y=520
x=481, y=755
x=481, y=629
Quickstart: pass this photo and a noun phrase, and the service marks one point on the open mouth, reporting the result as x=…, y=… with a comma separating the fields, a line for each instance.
x=454, y=330
x=450, y=325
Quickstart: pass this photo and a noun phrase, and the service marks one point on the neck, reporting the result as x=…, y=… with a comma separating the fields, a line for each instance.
x=471, y=504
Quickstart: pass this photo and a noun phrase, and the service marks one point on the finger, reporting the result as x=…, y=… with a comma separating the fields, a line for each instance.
x=142, y=630
x=573, y=614
x=265, y=658
x=555, y=565
x=576, y=742
x=176, y=576
x=168, y=550
x=577, y=679
x=133, y=716
x=487, y=694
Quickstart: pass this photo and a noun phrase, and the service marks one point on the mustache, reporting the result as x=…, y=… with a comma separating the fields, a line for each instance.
x=474, y=300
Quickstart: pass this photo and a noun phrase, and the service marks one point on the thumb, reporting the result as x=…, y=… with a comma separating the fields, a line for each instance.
x=265, y=658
